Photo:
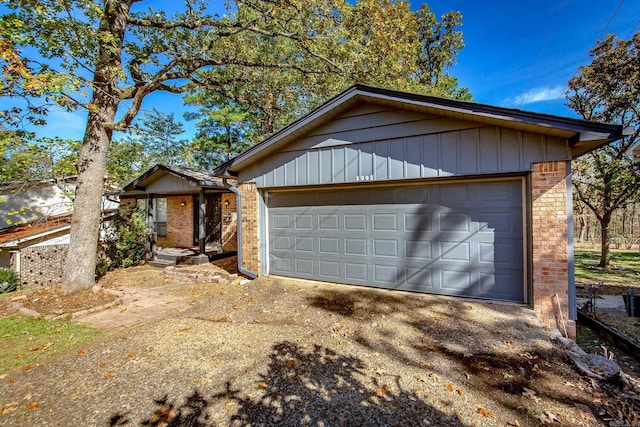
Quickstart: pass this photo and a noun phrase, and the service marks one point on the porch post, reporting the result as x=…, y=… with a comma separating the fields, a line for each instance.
x=201, y=221
x=151, y=224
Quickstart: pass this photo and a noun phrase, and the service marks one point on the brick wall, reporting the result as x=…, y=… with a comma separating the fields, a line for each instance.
x=229, y=222
x=549, y=243
x=42, y=265
x=250, y=236
x=179, y=222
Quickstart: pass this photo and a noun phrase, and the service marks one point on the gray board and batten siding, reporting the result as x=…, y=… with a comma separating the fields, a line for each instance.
x=376, y=143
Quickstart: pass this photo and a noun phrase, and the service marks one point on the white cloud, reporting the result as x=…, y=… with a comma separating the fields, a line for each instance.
x=538, y=95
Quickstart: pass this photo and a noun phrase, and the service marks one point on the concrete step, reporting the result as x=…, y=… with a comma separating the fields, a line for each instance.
x=161, y=263
x=167, y=257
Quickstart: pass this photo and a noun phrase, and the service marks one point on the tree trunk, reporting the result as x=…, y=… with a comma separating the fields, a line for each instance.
x=583, y=227
x=79, y=271
x=604, y=241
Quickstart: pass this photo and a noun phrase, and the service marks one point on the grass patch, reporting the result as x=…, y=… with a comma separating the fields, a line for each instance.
x=629, y=326
x=25, y=341
x=624, y=267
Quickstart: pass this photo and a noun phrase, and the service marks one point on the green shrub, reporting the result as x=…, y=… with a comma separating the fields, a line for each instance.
x=8, y=280
x=125, y=243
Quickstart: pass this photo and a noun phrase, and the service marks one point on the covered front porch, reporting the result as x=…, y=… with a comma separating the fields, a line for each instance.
x=191, y=215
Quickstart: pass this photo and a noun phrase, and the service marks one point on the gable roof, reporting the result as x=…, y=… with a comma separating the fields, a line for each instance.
x=201, y=178
x=583, y=136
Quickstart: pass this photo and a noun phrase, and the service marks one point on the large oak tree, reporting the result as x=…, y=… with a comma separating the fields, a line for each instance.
x=119, y=53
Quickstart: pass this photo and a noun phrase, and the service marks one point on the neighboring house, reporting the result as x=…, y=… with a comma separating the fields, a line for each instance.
x=29, y=202
x=186, y=208
x=35, y=219
x=401, y=191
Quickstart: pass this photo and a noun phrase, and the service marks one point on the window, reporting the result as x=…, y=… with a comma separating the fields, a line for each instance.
x=161, y=216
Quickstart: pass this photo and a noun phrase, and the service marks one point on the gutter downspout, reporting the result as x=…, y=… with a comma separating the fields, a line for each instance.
x=234, y=190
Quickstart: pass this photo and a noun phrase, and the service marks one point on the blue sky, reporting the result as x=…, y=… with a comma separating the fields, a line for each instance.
x=517, y=54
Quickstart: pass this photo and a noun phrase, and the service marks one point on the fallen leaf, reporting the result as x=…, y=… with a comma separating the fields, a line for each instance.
x=425, y=365
x=449, y=387
x=552, y=417
x=33, y=405
x=20, y=356
x=460, y=391
x=484, y=412
x=185, y=329
x=132, y=354
x=292, y=363
x=103, y=364
x=219, y=319
x=81, y=353
x=249, y=300
x=108, y=377
x=584, y=412
x=262, y=385
x=42, y=347
x=381, y=392
x=26, y=368
x=530, y=394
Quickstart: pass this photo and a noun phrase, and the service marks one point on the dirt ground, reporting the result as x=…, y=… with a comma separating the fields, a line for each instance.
x=285, y=352
x=49, y=300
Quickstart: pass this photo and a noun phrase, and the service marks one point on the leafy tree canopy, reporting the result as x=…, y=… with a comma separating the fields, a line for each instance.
x=608, y=90
x=282, y=55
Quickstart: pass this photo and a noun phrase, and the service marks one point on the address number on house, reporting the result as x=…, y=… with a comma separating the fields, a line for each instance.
x=360, y=178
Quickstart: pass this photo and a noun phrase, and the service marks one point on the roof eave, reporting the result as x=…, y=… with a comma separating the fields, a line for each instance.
x=588, y=135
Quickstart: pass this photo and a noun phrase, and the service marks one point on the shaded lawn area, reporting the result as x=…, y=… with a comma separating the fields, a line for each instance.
x=624, y=268
x=27, y=341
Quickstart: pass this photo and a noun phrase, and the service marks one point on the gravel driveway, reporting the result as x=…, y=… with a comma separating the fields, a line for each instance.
x=285, y=352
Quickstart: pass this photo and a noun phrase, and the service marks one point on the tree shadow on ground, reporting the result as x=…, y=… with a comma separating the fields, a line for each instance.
x=489, y=352
x=314, y=386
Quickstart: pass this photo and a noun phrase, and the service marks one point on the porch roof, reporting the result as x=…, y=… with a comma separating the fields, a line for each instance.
x=196, y=180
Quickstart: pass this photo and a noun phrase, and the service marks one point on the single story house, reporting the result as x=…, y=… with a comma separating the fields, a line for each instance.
x=402, y=191
x=186, y=208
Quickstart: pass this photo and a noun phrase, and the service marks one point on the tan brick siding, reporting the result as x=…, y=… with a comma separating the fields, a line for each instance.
x=550, y=257
x=229, y=222
x=250, y=236
x=179, y=222
x=42, y=265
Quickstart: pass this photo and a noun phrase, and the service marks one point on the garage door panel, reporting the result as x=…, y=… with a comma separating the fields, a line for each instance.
x=418, y=249
x=356, y=271
x=329, y=269
x=447, y=245
x=304, y=244
x=304, y=267
x=386, y=274
x=385, y=248
x=455, y=251
x=328, y=246
x=455, y=282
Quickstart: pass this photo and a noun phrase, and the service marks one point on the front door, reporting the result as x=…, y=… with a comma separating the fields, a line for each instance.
x=212, y=219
